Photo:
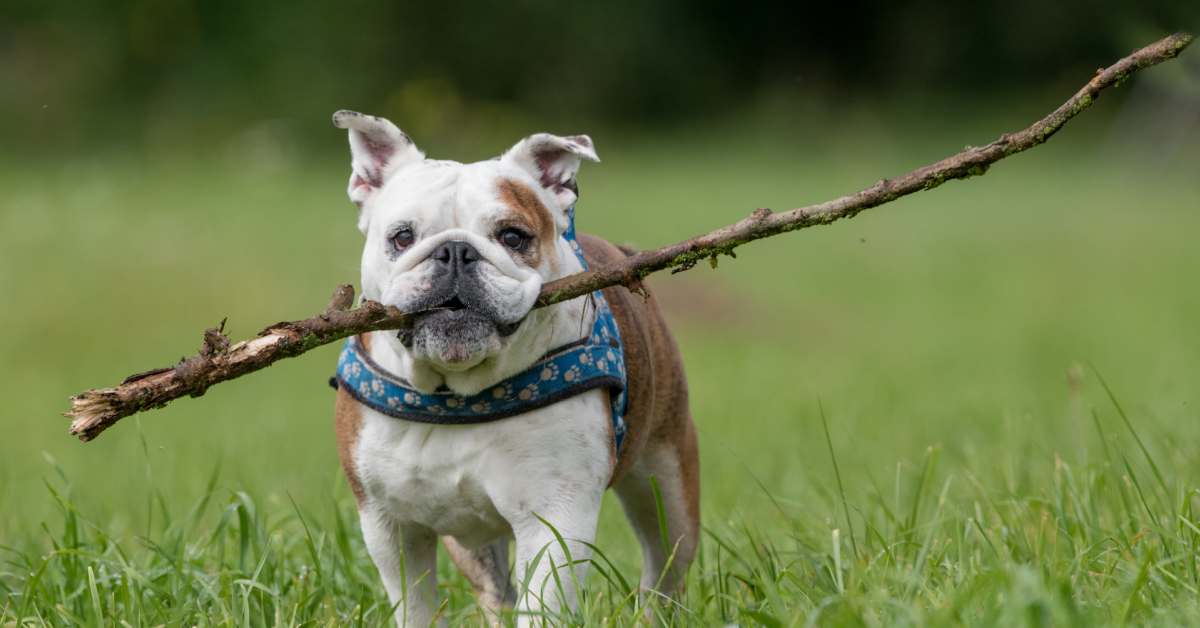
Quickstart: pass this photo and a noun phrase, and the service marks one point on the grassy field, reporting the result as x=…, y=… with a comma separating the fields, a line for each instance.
x=957, y=344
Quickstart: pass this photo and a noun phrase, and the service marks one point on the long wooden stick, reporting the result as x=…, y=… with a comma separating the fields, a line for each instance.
x=95, y=410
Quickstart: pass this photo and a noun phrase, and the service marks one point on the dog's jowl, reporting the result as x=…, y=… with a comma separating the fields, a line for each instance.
x=489, y=420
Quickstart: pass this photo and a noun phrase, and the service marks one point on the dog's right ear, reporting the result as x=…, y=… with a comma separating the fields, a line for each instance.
x=377, y=150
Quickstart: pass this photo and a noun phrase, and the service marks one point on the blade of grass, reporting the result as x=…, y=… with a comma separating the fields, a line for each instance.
x=664, y=536
x=1129, y=425
x=837, y=474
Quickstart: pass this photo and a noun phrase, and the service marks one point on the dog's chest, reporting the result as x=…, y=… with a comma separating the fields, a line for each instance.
x=470, y=480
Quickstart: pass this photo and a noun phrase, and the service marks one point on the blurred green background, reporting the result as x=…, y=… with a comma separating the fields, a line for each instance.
x=164, y=165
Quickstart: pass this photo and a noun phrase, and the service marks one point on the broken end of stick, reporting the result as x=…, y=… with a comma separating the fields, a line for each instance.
x=91, y=413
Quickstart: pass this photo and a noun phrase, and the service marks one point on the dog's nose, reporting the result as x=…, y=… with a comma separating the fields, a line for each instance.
x=456, y=255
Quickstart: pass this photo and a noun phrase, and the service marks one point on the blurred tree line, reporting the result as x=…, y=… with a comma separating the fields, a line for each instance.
x=100, y=71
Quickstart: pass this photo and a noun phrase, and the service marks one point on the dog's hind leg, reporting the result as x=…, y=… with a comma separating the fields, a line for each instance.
x=487, y=569
x=672, y=464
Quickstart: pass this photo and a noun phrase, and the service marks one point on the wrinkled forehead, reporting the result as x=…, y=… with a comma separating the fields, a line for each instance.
x=449, y=194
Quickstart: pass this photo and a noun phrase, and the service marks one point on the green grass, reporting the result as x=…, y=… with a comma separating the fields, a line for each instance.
x=953, y=344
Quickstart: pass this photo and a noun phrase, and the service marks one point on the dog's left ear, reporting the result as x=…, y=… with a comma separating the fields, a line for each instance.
x=378, y=149
x=553, y=161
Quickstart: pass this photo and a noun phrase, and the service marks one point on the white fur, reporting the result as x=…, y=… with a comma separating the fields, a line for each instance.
x=479, y=483
x=476, y=483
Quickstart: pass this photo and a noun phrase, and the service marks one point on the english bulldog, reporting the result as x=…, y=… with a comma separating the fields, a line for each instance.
x=467, y=247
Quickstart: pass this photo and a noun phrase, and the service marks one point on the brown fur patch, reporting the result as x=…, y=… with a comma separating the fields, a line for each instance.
x=529, y=210
x=347, y=425
x=689, y=470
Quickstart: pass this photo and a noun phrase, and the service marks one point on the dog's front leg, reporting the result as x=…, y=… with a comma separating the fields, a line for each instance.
x=406, y=557
x=546, y=577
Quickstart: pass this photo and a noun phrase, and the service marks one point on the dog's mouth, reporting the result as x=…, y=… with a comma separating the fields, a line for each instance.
x=454, y=309
x=453, y=304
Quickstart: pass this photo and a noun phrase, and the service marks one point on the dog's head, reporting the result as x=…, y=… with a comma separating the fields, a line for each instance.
x=466, y=246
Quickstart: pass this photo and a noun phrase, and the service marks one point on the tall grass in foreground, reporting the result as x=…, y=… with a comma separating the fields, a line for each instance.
x=1109, y=540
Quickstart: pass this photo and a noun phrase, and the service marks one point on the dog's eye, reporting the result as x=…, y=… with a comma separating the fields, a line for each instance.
x=514, y=239
x=403, y=238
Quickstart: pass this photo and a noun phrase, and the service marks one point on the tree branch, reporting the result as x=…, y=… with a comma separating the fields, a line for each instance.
x=95, y=410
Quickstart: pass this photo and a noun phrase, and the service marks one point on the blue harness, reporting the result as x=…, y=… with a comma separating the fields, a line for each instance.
x=592, y=362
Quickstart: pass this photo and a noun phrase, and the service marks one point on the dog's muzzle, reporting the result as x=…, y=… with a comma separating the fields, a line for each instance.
x=457, y=287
